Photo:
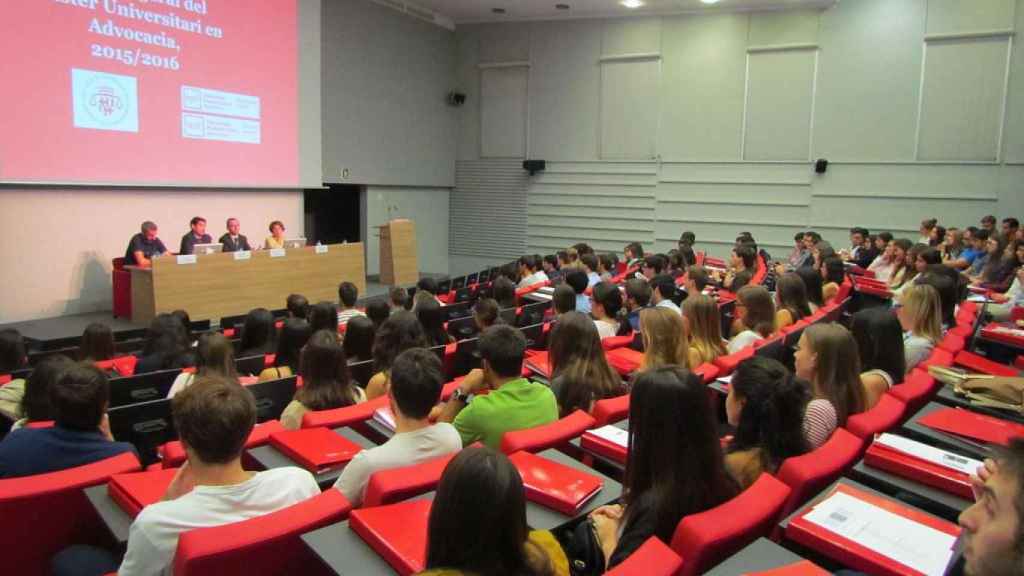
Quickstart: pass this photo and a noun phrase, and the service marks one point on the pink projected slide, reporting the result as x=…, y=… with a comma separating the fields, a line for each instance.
x=197, y=92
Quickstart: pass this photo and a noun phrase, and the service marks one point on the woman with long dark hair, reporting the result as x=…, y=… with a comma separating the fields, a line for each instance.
x=166, y=346
x=97, y=343
x=790, y=300
x=766, y=406
x=431, y=317
x=813, y=285
x=323, y=316
x=257, y=333
x=396, y=335
x=478, y=525
x=216, y=357
x=580, y=374
x=325, y=380
x=358, y=341
x=755, y=317
x=295, y=332
x=35, y=405
x=879, y=338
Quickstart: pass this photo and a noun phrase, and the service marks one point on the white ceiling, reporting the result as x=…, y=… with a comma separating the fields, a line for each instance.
x=468, y=11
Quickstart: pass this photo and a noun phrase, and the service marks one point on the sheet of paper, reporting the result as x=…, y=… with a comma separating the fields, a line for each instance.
x=914, y=545
x=727, y=380
x=978, y=298
x=385, y=417
x=612, y=434
x=929, y=453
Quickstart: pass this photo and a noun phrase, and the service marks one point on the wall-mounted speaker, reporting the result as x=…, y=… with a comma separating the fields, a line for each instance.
x=456, y=99
x=534, y=166
x=821, y=166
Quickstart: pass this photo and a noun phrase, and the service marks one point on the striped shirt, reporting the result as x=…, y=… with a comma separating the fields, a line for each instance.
x=345, y=315
x=820, y=420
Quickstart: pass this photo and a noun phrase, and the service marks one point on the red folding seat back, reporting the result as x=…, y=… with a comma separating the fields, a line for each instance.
x=347, y=416
x=975, y=363
x=704, y=540
x=613, y=342
x=397, y=484
x=882, y=417
x=707, y=372
x=610, y=410
x=265, y=545
x=916, y=390
x=652, y=558
x=727, y=364
x=548, y=435
x=50, y=512
x=809, y=474
x=953, y=343
x=939, y=357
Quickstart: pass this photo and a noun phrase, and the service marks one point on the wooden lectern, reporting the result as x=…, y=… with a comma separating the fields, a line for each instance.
x=398, y=265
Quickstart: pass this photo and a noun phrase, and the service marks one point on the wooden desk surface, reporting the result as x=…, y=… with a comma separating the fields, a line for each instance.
x=225, y=284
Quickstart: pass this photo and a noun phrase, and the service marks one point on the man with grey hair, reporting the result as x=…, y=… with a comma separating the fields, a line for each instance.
x=144, y=246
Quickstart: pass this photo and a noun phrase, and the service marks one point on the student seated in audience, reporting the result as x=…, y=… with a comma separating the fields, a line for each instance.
x=605, y=303
x=397, y=334
x=862, y=250
x=166, y=347
x=676, y=468
x=530, y=272
x=1009, y=229
x=215, y=357
x=276, y=238
x=97, y=343
x=926, y=230
x=879, y=338
x=197, y=235
x=429, y=285
x=358, y=340
x=297, y=306
x=1005, y=302
x=81, y=432
x=885, y=262
x=755, y=317
x=988, y=223
x=920, y=315
x=35, y=404
x=564, y=262
x=12, y=357
x=952, y=246
x=766, y=407
x=325, y=380
x=638, y=297
x=902, y=272
x=666, y=342
x=947, y=282
x=504, y=291
x=741, y=268
x=213, y=420
x=398, y=299
x=564, y=299
x=461, y=535
x=323, y=316
x=926, y=257
x=580, y=374
x=791, y=300
x=514, y=403
x=186, y=325
x=258, y=333
x=377, y=311
x=653, y=265
x=348, y=295
x=697, y=280
x=993, y=544
x=937, y=236
x=813, y=284
x=686, y=239
x=704, y=325
x=578, y=281
x=975, y=252
x=663, y=287
x=606, y=266
x=827, y=357
x=589, y=262
x=798, y=254
x=295, y=332
x=633, y=254
x=486, y=312
x=416, y=380
x=1003, y=260
x=551, y=265
x=430, y=316
x=833, y=274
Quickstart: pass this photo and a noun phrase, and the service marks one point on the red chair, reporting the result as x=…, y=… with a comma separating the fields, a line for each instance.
x=624, y=360
x=172, y=454
x=975, y=363
x=953, y=343
x=265, y=545
x=703, y=540
x=707, y=372
x=347, y=416
x=884, y=416
x=610, y=410
x=121, y=282
x=916, y=390
x=939, y=357
x=727, y=364
x=653, y=558
x=614, y=342
x=53, y=513
x=397, y=484
x=810, y=473
x=548, y=435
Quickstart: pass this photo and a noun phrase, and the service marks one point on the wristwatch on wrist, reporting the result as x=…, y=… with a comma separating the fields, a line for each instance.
x=460, y=396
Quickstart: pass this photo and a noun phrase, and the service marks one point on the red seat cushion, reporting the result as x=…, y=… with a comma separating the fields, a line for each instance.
x=884, y=416
x=548, y=435
x=652, y=558
x=916, y=389
x=346, y=416
x=396, y=484
x=810, y=473
x=610, y=410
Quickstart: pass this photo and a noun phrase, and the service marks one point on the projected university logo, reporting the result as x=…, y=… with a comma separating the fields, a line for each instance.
x=105, y=101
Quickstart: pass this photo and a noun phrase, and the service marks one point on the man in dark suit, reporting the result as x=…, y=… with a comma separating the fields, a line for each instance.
x=195, y=236
x=232, y=240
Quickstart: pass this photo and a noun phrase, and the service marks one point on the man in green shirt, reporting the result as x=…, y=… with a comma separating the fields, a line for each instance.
x=514, y=403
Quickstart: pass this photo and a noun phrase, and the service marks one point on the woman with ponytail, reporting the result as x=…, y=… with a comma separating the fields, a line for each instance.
x=766, y=406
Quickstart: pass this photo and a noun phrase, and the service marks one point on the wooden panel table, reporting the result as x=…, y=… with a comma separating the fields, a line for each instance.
x=226, y=284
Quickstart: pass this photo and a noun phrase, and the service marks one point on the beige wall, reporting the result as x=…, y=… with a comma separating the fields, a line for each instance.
x=58, y=244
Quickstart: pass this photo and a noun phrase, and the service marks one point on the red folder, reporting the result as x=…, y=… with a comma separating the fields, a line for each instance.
x=802, y=568
x=553, y=485
x=625, y=361
x=136, y=490
x=397, y=532
x=919, y=470
x=538, y=362
x=600, y=446
x=315, y=449
x=1002, y=333
x=173, y=453
x=973, y=425
x=853, y=554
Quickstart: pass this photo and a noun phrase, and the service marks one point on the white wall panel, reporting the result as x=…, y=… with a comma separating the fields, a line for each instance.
x=1014, y=131
x=780, y=95
x=783, y=27
x=629, y=109
x=957, y=16
x=503, y=95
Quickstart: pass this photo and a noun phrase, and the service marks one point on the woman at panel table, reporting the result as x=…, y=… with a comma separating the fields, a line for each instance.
x=276, y=238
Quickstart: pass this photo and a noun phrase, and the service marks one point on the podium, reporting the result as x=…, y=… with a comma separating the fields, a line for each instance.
x=398, y=265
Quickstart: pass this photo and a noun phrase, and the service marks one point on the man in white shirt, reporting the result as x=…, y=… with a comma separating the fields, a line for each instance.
x=348, y=294
x=589, y=262
x=214, y=417
x=662, y=288
x=529, y=272
x=416, y=382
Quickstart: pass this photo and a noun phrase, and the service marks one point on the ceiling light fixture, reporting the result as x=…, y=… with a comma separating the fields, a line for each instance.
x=632, y=3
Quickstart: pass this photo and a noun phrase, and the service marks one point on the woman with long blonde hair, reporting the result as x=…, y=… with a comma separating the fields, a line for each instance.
x=704, y=324
x=666, y=342
x=920, y=315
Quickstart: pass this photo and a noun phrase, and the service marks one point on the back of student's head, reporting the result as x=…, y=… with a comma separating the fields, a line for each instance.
x=78, y=399
x=427, y=284
x=836, y=371
x=503, y=347
x=879, y=338
x=529, y=262
x=834, y=270
x=504, y=291
x=416, y=381
x=323, y=316
x=746, y=253
x=705, y=326
x=578, y=360
x=485, y=312
x=563, y=299
x=699, y=276
x=813, y=285
x=552, y=261
x=12, y=350
x=348, y=294
x=921, y=311
x=609, y=297
x=687, y=238
x=295, y=332
x=606, y=261
x=656, y=262
x=166, y=337
x=97, y=343
x=638, y=291
x=429, y=313
x=675, y=465
x=257, y=331
x=946, y=289
x=589, y=261
x=214, y=417
x=184, y=318
x=481, y=491
x=358, y=342
x=401, y=331
x=687, y=257
x=325, y=377
x=298, y=306
x=215, y=355
x=792, y=295
x=577, y=280
x=35, y=404
x=634, y=250
x=759, y=309
x=398, y=297
x=664, y=285
x=771, y=403
x=377, y=311
x=664, y=337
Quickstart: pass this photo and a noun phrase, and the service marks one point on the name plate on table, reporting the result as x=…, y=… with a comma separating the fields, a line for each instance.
x=243, y=255
x=187, y=259
x=321, y=249
x=277, y=252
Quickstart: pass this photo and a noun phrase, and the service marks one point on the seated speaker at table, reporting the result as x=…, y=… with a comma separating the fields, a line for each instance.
x=195, y=236
x=232, y=240
x=144, y=246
